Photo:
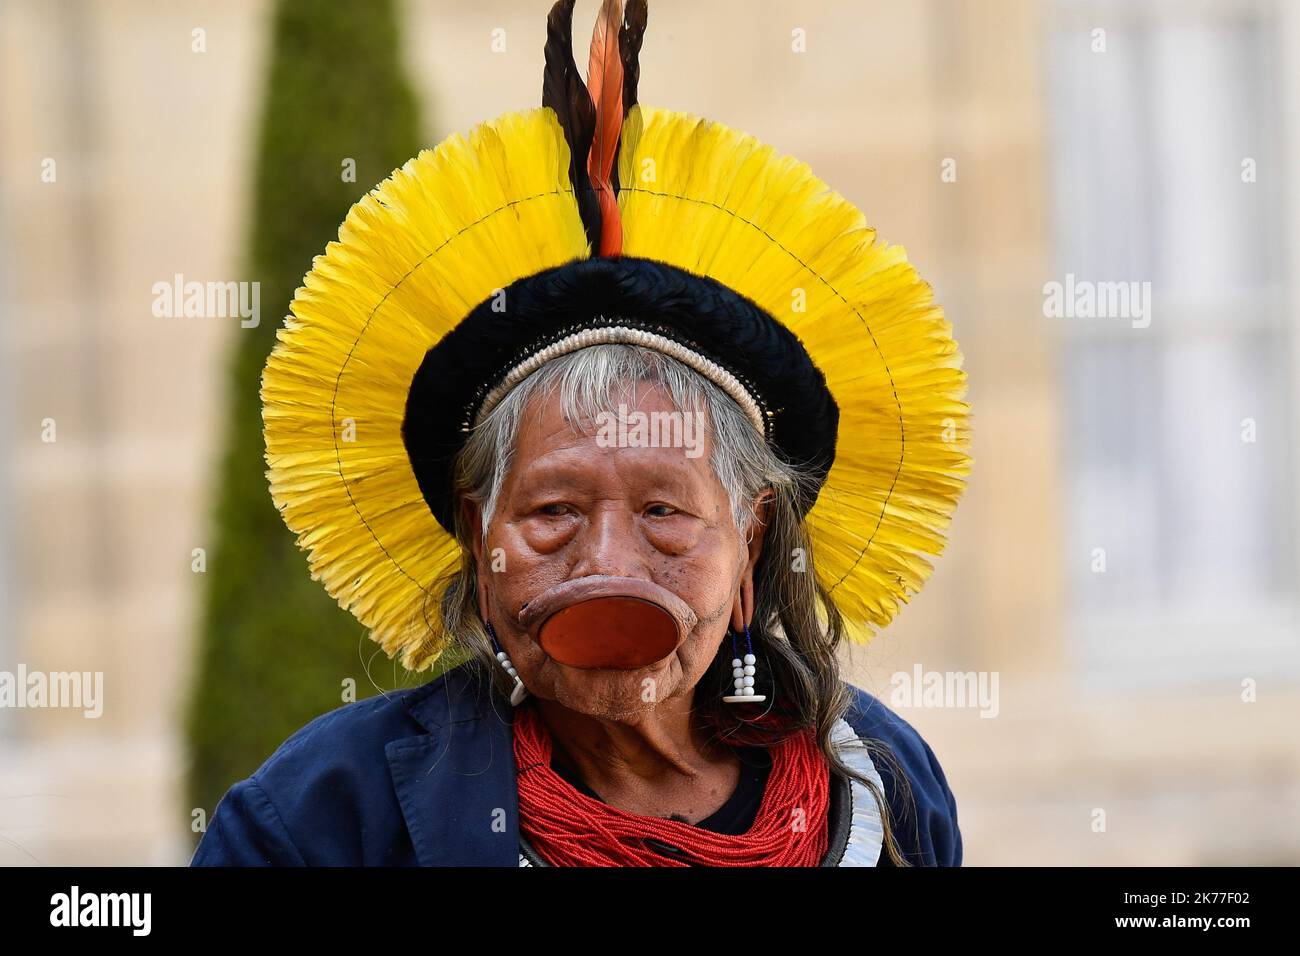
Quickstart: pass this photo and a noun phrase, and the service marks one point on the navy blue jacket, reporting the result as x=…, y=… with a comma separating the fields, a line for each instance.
x=426, y=777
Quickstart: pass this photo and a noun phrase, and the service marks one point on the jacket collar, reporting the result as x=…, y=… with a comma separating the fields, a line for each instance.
x=456, y=782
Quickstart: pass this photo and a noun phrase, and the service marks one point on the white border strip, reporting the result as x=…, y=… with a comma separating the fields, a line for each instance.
x=867, y=835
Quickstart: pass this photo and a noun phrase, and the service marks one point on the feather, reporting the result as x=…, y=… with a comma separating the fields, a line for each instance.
x=605, y=83
x=564, y=92
x=630, y=35
x=629, y=46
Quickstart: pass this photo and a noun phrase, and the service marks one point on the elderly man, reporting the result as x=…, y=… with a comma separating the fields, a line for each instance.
x=648, y=630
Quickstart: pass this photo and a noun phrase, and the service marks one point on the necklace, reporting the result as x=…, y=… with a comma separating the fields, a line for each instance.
x=569, y=828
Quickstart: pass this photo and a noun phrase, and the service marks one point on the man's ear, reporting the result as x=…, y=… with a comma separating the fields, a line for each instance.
x=471, y=515
x=742, y=612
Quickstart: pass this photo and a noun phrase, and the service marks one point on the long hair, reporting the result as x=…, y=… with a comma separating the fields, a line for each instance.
x=797, y=629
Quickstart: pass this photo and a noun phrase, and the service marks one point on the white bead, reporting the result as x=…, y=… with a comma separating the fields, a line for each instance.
x=738, y=672
x=740, y=683
x=501, y=655
x=749, y=670
x=518, y=694
x=749, y=681
x=751, y=659
x=736, y=662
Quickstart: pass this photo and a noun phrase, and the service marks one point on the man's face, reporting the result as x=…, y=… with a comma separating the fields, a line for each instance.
x=572, y=507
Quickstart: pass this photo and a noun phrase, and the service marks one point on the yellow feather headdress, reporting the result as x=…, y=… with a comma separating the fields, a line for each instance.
x=471, y=216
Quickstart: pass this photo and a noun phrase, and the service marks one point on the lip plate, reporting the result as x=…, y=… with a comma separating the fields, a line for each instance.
x=610, y=632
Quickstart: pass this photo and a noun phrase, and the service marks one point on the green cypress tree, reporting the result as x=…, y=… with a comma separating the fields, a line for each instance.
x=274, y=648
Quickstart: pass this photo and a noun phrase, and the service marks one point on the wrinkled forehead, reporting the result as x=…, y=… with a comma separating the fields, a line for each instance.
x=637, y=425
x=631, y=400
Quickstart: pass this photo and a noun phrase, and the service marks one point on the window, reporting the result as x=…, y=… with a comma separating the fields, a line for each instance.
x=1171, y=165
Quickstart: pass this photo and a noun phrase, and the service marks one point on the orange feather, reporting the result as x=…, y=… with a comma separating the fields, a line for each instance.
x=605, y=83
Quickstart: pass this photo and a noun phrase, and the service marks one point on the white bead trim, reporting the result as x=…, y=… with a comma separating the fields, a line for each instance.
x=606, y=335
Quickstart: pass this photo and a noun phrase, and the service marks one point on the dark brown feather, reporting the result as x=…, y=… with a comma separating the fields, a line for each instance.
x=629, y=45
x=630, y=36
x=564, y=92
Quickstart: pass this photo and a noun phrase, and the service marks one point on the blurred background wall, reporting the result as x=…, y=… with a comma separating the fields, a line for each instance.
x=1124, y=563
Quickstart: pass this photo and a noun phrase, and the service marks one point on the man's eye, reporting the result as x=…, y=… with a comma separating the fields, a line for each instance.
x=554, y=510
x=659, y=511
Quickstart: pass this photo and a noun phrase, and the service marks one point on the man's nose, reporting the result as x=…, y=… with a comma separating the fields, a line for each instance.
x=609, y=544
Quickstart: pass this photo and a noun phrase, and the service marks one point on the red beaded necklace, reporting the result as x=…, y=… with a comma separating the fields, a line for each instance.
x=569, y=828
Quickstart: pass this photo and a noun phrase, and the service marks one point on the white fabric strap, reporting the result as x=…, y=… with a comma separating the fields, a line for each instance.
x=866, y=834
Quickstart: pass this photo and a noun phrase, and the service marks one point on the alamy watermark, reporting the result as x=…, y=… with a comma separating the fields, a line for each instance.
x=208, y=300
x=68, y=690
x=946, y=689
x=74, y=908
x=676, y=429
x=1084, y=299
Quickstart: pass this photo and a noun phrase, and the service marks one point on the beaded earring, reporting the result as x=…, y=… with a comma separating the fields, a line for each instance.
x=743, y=670
x=519, y=692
